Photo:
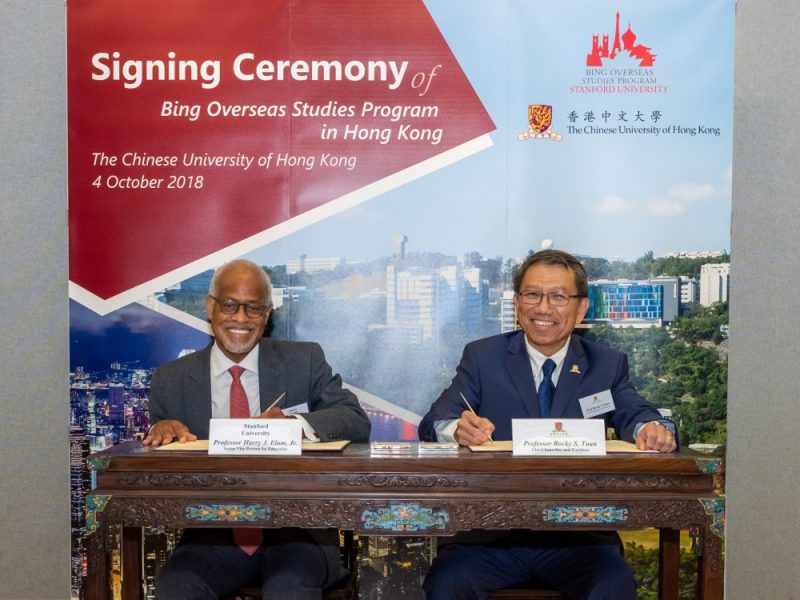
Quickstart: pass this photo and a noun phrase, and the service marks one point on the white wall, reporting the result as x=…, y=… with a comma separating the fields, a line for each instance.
x=763, y=492
x=34, y=477
x=763, y=534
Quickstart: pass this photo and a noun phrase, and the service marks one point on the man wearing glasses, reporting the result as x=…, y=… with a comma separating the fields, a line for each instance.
x=240, y=375
x=542, y=370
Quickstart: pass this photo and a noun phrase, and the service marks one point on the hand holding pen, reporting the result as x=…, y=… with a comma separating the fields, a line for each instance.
x=473, y=430
x=273, y=414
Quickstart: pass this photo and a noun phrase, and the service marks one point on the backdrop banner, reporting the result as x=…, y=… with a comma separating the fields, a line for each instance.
x=390, y=163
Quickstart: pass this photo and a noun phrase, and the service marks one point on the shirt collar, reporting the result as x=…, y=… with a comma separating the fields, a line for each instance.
x=537, y=358
x=221, y=363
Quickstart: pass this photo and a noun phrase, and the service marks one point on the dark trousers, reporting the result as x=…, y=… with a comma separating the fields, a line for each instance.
x=289, y=566
x=582, y=572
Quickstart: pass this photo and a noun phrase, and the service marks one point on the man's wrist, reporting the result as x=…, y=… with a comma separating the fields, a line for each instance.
x=663, y=422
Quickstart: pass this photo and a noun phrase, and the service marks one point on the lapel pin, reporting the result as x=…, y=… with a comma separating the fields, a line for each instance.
x=575, y=369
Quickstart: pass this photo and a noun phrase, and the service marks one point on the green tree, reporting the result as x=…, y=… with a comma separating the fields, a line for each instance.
x=596, y=268
x=644, y=564
x=702, y=323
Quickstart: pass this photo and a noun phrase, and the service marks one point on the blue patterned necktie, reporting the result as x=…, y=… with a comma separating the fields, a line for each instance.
x=546, y=388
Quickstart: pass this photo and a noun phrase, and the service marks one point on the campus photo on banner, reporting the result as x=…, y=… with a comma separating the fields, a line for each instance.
x=390, y=164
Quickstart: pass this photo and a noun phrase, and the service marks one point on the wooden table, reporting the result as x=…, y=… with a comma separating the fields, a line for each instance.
x=407, y=495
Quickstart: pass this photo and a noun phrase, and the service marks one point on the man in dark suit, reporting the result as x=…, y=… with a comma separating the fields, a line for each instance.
x=541, y=371
x=240, y=375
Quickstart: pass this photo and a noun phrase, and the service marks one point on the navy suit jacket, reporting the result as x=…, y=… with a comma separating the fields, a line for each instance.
x=495, y=376
x=181, y=390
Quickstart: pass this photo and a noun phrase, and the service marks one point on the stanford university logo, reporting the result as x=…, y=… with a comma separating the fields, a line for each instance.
x=622, y=43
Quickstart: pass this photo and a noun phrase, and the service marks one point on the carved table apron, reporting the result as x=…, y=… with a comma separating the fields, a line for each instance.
x=408, y=495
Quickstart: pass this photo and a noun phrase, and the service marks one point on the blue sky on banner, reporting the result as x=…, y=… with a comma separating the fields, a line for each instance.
x=603, y=194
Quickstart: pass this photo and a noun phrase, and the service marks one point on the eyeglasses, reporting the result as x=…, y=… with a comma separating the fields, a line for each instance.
x=230, y=306
x=553, y=298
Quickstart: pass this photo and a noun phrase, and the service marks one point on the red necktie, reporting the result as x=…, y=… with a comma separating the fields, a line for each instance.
x=247, y=539
x=240, y=407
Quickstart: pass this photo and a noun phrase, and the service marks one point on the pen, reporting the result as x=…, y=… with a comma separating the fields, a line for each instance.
x=474, y=413
x=278, y=399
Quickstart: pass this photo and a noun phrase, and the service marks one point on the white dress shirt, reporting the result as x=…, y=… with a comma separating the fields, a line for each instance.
x=446, y=428
x=221, y=381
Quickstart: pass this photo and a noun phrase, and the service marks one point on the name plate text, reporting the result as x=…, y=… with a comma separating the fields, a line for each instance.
x=250, y=437
x=558, y=437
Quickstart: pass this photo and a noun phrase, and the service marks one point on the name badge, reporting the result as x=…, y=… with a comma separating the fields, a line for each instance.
x=297, y=409
x=558, y=437
x=252, y=437
x=597, y=404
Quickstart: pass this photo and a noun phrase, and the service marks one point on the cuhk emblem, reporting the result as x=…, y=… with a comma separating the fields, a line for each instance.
x=540, y=121
x=559, y=426
x=540, y=117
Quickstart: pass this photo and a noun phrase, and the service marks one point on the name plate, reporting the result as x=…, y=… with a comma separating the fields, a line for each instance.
x=558, y=437
x=249, y=437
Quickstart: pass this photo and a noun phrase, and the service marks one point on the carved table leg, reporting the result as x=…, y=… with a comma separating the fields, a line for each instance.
x=709, y=577
x=131, y=563
x=96, y=583
x=669, y=563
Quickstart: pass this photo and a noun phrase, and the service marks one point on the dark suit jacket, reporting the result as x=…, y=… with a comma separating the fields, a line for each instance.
x=181, y=390
x=495, y=376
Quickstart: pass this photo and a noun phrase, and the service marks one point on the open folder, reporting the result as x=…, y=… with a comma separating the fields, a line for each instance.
x=202, y=446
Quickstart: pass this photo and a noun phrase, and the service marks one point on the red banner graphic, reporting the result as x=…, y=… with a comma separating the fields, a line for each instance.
x=195, y=125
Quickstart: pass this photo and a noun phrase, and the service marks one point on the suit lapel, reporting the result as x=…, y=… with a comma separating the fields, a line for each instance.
x=572, y=372
x=271, y=375
x=198, y=387
x=519, y=369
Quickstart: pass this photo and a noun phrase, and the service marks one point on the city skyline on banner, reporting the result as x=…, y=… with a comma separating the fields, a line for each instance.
x=420, y=308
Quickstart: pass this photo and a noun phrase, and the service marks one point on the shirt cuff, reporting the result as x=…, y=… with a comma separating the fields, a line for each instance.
x=308, y=430
x=664, y=422
x=445, y=430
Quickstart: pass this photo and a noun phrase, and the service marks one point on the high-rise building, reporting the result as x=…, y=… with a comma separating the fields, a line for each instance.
x=79, y=485
x=312, y=265
x=690, y=293
x=474, y=301
x=670, y=296
x=422, y=303
x=508, y=312
x=116, y=404
x=695, y=254
x=157, y=544
x=625, y=302
x=400, y=242
x=715, y=282
x=378, y=546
